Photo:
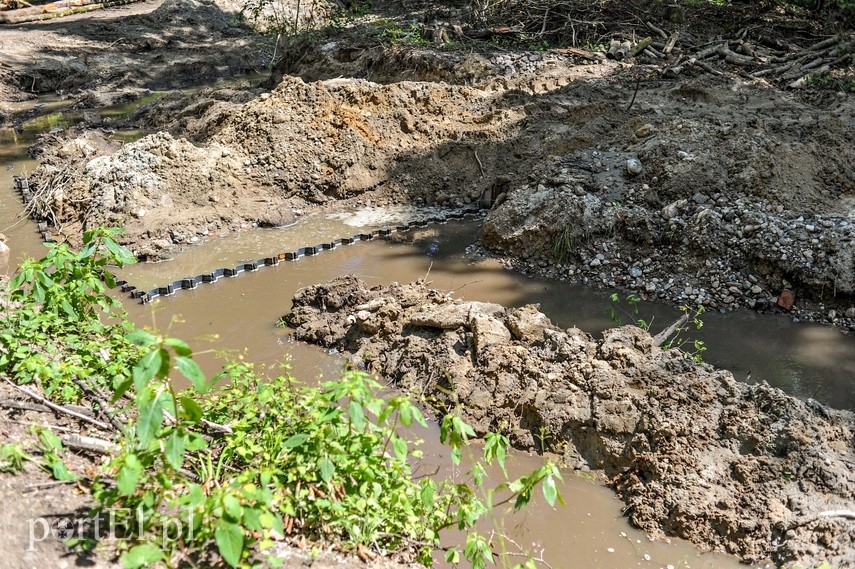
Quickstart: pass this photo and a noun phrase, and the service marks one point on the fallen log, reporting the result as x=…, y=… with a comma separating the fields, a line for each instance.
x=663, y=336
x=672, y=41
x=57, y=10
x=639, y=47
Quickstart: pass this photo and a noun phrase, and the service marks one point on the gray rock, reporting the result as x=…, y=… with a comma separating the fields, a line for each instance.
x=487, y=331
x=448, y=316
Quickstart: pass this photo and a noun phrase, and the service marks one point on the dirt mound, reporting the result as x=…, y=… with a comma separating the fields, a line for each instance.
x=710, y=191
x=165, y=192
x=692, y=452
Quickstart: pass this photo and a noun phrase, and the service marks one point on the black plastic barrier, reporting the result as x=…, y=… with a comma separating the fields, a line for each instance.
x=308, y=251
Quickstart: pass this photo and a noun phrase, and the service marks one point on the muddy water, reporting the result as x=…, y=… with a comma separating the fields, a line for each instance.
x=243, y=311
x=590, y=530
x=805, y=359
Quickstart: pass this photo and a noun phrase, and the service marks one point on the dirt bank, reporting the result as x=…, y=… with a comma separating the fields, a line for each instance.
x=691, y=451
x=708, y=190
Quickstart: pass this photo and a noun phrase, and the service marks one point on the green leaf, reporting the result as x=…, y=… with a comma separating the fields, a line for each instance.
x=326, y=468
x=195, y=442
x=399, y=445
x=151, y=404
x=129, y=475
x=192, y=410
x=357, y=415
x=142, y=556
x=427, y=494
x=229, y=538
x=180, y=346
x=193, y=372
x=174, y=449
x=140, y=338
x=550, y=492
x=232, y=507
x=121, y=255
x=59, y=470
x=50, y=442
x=146, y=368
x=295, y=440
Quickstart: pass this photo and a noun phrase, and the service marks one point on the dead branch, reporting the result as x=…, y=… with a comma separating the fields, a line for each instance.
x=663, y=336
x=91, y=444
x=104, y=407
x=672, y=41
x=849, y=514
x=58, y=408
x=661, y=33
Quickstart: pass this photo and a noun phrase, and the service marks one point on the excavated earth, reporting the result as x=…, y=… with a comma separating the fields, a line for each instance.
x=718, y=191
x=691, y=451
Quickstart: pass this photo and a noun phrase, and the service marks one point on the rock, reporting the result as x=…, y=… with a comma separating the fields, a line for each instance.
x=449, y=316
x=633, y=166
x=850, y=312
x=363, y=315
x=276, y=217
x=528, y=323
x=787, y=299
x=636, y=272
x=699, y=198
x=487, y=331
x=645, y=130
x=756, y=289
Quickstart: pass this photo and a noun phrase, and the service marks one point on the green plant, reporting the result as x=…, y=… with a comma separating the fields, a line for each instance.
x=827, y=81
x=632, y=300
x=65, y=329
x=52, y=448
x=692, y=347
x=395, y=33
x=247, y=465
x=563, y=245
x=12, y=457
x=325, y=462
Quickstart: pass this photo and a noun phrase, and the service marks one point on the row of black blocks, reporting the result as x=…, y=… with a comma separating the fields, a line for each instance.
x=192, y=282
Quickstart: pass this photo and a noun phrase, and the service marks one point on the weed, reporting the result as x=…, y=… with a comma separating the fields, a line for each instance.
x=249, y=464
x=632, y=300
x=12, y=458
x=56, y=336
x=564, y=245
x=52, y=448
x=692, y=347
x=395, y=33
x=844, y=83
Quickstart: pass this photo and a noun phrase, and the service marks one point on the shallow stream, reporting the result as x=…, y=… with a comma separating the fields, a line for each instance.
x=240, y=314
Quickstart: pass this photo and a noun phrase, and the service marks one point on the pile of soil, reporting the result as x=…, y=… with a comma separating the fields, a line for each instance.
x=704, y=191
x=692, y=452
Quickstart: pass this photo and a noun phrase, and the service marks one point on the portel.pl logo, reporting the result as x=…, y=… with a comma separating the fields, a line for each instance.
x=117, y=524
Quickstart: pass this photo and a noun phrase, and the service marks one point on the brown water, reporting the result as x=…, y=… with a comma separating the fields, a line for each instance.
x=239, y=315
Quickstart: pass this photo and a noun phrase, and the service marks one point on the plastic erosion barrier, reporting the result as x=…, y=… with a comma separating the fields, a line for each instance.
x=191, y=283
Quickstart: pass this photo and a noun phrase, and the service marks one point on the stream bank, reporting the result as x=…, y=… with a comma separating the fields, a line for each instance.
x=708, y=191
x=690, y=450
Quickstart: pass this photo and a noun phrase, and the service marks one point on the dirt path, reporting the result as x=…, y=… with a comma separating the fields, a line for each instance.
x=121, y=53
